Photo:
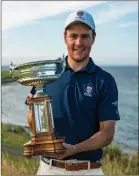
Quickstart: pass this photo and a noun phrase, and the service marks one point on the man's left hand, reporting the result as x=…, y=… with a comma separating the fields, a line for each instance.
x=69, y=150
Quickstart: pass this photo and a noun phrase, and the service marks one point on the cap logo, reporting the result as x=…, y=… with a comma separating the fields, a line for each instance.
x=79, y=15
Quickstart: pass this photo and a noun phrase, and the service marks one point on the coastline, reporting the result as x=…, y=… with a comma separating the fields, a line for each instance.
x=128, y=152
x=10, y=81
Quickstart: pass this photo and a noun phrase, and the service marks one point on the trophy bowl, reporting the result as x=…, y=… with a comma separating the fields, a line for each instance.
x=41, y=120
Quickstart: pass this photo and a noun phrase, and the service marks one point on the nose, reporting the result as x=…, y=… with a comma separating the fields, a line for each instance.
x=79, y=41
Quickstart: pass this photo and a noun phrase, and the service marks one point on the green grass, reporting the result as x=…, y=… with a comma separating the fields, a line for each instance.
x=12, y=164
x=15, y=165
x=6, y=77
x=14, y=140
x=111, y=164
x=114, y=162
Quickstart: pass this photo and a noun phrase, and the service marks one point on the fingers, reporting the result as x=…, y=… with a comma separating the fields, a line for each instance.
x=67, y=146
x=70, y=149
x=30, y=95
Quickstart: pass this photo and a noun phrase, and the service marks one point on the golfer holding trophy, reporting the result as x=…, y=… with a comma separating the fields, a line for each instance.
x=73, y=112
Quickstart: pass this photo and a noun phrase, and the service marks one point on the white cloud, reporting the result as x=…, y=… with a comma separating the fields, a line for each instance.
x=17, y=13
x=124, y=25
x=115, y=12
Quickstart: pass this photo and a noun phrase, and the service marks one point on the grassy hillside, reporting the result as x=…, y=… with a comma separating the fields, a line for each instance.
x=18, y=165
x=115, y=162
x=6, y=77
x=14, y=136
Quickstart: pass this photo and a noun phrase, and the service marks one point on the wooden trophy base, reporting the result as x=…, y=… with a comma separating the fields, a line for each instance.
x=43, y=147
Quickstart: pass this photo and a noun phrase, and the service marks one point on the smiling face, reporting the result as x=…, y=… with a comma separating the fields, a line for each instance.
x=79, y=39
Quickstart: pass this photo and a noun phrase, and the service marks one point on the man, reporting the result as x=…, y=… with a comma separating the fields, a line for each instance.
x=84, y=103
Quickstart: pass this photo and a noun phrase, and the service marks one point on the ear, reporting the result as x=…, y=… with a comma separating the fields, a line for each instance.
x=65, y=33
x=93, y=39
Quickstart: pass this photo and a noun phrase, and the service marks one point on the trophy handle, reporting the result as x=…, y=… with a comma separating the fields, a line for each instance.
x=31, y=121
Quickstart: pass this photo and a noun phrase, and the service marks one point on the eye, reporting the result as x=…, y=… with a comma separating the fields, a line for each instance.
x=86, y=36
x=73, y=36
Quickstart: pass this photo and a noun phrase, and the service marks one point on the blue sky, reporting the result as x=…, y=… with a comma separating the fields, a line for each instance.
x=33, y=30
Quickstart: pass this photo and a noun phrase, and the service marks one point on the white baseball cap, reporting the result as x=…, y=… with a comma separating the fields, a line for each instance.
x=80, y=16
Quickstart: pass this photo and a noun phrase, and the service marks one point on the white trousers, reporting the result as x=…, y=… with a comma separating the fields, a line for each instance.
x=46, y=169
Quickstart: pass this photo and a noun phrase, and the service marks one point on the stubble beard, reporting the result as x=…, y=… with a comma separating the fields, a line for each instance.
x=82, y=59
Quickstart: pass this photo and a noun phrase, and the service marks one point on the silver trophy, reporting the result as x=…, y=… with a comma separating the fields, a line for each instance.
x=41, y=119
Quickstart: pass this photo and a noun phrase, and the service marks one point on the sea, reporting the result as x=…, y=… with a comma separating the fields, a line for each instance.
x=14, y=109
